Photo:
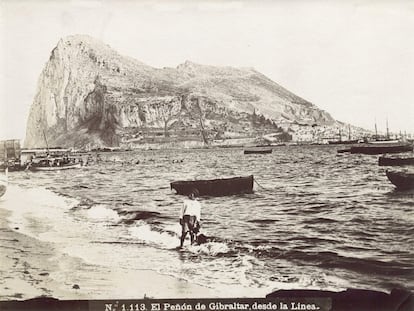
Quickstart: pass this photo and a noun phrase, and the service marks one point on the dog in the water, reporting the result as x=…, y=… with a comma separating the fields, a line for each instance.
x=201, y=239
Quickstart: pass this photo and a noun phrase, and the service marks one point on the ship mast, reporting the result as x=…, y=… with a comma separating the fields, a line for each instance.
x=388, y=133
x=47, y=146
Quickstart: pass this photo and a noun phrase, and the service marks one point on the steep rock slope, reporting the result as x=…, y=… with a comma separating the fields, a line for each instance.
x=88, y=94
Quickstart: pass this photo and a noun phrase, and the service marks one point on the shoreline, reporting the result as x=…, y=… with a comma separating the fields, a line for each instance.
x=31, y=268
x=25, y=268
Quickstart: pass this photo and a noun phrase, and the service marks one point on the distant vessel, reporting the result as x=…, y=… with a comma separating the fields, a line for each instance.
x=383, y=139
x=381, y=148
x=54, y=167
x=52, y=164
x=344, y=142
x=395, y=161
x=257, y=150
x=49, y=162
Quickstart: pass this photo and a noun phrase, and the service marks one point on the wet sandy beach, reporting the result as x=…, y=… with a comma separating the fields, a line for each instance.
x=32, y=268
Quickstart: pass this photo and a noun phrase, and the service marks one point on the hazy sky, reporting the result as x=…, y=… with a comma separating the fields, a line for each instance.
x=354, y=59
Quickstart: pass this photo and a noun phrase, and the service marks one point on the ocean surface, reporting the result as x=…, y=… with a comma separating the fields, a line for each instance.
x=316, y=220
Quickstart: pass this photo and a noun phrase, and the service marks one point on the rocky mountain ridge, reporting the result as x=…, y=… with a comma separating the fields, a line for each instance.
x=90, y=95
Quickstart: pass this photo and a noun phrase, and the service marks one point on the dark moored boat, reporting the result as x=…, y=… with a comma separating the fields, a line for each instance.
x=402, y=180
x=215, y=187
x=380, y=148
x=258, y=150
x=343, y=142
x=343, y=150
x=395, y=161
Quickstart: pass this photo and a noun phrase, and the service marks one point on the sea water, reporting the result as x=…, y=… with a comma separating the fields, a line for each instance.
x=316, y=220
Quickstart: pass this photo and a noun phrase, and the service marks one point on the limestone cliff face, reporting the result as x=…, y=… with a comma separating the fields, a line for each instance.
x=88, y=94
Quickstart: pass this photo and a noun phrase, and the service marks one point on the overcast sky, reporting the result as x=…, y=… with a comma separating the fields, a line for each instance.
x=354, y=59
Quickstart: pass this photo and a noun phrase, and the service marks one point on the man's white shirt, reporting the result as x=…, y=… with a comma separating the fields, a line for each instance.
x=192, y=208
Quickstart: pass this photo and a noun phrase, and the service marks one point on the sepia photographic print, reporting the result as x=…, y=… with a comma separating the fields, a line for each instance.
x=206, y=155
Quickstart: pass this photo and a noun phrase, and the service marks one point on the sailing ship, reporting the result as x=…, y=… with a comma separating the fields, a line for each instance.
x=382, y=145
x=344, y=142
x=53, y=162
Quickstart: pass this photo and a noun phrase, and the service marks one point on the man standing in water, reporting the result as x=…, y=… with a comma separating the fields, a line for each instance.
x=190, y=217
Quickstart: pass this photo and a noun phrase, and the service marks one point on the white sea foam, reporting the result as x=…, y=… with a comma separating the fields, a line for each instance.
x=169, y=238
x=210, y=248
x=34, y=210
x=143, y=232
x=176, y=228
x=100, y=212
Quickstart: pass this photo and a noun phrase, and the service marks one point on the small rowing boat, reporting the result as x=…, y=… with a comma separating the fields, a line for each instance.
x=403, y=180
x=215, y=187
x=380, y=148
x=258, y=151
x=395, y=161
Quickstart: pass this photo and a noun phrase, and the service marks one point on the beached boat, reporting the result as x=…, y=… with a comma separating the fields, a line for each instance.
x=4, y=182
x=381, y=148
x=403, y=180
x=258, y=150
x=215, y=187
x=395, y=161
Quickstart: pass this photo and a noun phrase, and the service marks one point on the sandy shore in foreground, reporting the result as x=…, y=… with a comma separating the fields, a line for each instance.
x=24, y=264
x=30, y=268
